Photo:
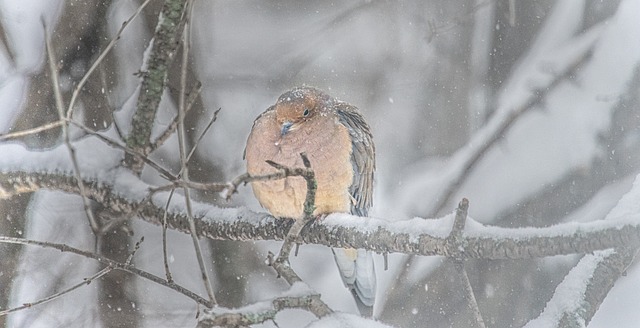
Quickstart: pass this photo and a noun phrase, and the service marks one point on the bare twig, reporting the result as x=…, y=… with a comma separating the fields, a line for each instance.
x=164, y=238
x=114, y=264
x=469, y=297
x=65, y=132
x=103, y=54
x=35, y=130
x=113, y=143
x=204, y=132
x=183, y=155
x=232, y=186
x=164, y=136
x=86, y=281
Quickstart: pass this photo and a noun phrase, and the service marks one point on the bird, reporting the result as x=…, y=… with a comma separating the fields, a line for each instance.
x=339, y=145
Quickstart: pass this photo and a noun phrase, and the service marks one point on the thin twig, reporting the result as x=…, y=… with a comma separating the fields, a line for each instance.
x=85, y=281
x=183, y=154
x=31, y=131
x=113, y=143
x=164, y=136
x=65, y=131
x=103, y=54
x=204, y=132
x=164, y=238
x=469, y=297
x=232, y=186
x=115, y=264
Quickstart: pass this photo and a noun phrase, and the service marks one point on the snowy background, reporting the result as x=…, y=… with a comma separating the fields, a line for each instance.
x=434, y=79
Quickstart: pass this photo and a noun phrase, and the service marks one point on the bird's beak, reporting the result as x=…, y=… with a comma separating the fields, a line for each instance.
x=285, y=128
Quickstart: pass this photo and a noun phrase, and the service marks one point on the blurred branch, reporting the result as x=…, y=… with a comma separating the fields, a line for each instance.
x=243, y=224
x=574, y=305
x=493, y=131
x=165, y=44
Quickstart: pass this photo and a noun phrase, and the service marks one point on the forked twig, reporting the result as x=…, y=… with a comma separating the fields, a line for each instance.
x=164, y=136
x=65, y=132
x=103, y=54
x=85, y=281
x=115, y=264
x=183, y=154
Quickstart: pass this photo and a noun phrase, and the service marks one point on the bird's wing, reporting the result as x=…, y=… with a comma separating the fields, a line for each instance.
x=362, y=158
x=244, y=152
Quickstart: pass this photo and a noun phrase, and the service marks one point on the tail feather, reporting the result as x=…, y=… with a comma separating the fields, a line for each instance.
x=358, y=274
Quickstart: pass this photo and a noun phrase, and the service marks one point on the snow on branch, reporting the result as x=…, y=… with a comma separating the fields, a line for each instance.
x=127, y=194
x=579, y=295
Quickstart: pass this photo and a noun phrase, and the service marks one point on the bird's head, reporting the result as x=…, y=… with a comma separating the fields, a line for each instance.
x=296, y=107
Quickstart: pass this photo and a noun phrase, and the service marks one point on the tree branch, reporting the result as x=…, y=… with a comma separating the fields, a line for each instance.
x=372, y=234
x=584, y=288
x=258, y=312
x=110, y=263
x=165, y=44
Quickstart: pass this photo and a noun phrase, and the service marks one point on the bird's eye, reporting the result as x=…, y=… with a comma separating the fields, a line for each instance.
x=306, y=112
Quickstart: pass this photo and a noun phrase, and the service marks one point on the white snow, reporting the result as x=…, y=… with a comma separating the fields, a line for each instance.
x=569, y=295
x=537, y=151
x=346, y=320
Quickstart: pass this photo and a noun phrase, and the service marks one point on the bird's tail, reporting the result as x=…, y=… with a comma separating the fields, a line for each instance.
x=358, y=274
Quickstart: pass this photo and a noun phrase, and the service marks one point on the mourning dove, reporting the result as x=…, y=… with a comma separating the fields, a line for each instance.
x=339, y=145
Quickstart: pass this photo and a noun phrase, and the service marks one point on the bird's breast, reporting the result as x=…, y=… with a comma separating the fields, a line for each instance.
x=328, y=147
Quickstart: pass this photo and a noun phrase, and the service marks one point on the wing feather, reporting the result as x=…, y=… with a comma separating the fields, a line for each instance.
x=362, y=158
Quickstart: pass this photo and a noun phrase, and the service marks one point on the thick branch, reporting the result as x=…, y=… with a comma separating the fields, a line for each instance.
x=372, y=234
x=165, y=44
